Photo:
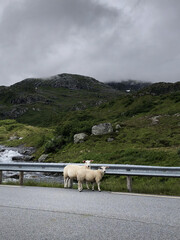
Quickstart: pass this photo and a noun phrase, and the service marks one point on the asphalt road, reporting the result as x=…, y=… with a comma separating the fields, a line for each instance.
x=28, y=213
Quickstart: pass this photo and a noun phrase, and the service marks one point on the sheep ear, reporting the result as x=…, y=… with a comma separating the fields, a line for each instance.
x=92, y=160
x=83, y=161
x=107, y=167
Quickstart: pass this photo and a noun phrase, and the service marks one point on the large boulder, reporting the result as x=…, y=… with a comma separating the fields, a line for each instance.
x=80, y=137
x=102, y=128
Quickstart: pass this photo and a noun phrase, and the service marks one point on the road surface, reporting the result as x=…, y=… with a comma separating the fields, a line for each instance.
x=28, y=213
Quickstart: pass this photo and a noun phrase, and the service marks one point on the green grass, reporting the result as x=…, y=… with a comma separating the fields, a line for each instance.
x=147, y=185
x=31, y=136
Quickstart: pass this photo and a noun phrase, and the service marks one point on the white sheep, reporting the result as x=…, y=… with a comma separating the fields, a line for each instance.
x=89, y=175
x=70, y=172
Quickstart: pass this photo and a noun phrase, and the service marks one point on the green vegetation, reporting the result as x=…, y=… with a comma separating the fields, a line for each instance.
x=28, y=135
x=43, y=102
x=148, y=185
x=149, y=133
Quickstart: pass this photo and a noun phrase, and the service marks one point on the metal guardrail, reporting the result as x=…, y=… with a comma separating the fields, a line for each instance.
x=114, y=169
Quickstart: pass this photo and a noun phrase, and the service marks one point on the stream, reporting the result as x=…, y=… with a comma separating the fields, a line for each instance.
x=8, y=154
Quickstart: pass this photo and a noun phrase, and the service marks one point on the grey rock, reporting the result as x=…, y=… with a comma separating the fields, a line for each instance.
x=155, y=119
x=13, y=138
x=26, y=150
x=80, y=137
x=22, y=158
x=42, y=158
x=117, y=127
x=102, y=128
x=15, y=112
x=14, y=175
x=110, y=139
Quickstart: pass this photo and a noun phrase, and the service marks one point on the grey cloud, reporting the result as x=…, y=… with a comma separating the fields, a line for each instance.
x=135, y=39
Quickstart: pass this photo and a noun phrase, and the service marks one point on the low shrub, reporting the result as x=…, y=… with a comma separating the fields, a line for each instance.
x=54, y=144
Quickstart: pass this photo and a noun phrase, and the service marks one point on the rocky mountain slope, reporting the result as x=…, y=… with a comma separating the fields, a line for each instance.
x=44, y=101
x=39, y=98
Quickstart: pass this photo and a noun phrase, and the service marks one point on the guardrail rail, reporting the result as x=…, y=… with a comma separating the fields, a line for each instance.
x=114, y=169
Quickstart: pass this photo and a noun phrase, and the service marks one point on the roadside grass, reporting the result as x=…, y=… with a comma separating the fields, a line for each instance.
x=146, y=185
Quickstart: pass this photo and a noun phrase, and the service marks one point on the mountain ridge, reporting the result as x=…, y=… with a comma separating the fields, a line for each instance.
x=65, y=80
x=56, y=94
x=44, y=100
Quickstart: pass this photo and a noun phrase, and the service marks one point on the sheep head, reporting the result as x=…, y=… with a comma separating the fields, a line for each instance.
x=103, y=169
x=88, y=162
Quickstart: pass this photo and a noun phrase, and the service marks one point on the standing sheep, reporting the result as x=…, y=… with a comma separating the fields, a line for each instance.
x=89, y=175
x=70, y=172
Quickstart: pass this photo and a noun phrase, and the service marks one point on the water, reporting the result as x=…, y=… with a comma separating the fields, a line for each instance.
x=6, y=156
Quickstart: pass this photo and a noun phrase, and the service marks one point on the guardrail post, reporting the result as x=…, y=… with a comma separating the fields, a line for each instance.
x=21, y=178
x=129, y=183
x=0, y=177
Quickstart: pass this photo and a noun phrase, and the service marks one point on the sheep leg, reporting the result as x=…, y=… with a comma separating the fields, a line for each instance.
x=87, y=185
x=79, y=186
x=92, y=186
x=65, y=182
x=70, y=183
x=99, y=186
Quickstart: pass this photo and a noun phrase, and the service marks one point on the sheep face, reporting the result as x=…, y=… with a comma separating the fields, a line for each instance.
x=87, y=162
x=103, y=169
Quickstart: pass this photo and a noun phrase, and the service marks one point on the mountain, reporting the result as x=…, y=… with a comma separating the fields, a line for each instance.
x=129, y=85
x=44, y=99
x=69, y=81
x=161, y=88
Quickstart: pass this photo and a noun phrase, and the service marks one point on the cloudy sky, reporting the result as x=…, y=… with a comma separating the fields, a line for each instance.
x=106, y=39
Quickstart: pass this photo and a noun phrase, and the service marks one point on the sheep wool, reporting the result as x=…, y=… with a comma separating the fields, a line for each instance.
x=70, y=172
x=89, y=175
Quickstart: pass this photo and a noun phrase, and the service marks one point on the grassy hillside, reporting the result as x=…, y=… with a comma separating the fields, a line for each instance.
x=150, y=125
x=149, y=134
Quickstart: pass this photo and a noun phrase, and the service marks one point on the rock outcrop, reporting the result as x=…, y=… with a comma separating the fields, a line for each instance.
x=80, y=137
x=42, y=158
x=102, y=128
